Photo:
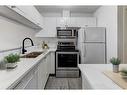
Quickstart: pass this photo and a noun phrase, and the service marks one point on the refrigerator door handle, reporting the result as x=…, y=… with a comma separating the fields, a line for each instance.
x=84, y=35
x=85, y=51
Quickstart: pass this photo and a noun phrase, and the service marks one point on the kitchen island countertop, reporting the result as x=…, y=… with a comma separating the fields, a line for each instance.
x=95, y=76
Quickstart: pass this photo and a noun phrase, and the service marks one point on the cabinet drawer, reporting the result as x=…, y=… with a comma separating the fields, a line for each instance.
x=23, y=82
x=32, y=82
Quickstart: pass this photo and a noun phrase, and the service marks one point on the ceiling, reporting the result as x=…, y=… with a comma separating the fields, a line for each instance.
x=72, y=9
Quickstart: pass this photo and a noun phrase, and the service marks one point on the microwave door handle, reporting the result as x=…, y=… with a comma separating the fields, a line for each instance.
x=73, y=33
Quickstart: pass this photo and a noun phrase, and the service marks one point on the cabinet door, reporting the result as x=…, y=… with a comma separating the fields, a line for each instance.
x=19, y=10
x=35, y=15
x=41, y=74
x=47, y=67
x=85, y=83
x=72, y=22
x=86, y=21
x=31, y=75
x=50, y=26
x=45, y=76
x=64, y=22
x=30, y=13
x=52, y=63
x=76, y=22
x=32, y=83
x=60, y=22
x=49, y=29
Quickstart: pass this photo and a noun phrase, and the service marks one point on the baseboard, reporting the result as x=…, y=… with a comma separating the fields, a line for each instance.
x=52, y=74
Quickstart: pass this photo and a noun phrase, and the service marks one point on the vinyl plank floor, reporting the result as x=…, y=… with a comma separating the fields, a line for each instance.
x=63, y=83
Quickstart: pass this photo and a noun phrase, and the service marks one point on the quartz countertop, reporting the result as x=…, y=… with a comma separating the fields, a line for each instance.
x=10, y=77
x=95, y=76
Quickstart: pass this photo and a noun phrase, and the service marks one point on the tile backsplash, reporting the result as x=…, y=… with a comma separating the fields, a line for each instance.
x=29, y=49
x=18, y=51
x=52, y=43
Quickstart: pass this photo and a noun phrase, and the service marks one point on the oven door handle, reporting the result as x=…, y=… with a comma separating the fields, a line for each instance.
x=67, y=52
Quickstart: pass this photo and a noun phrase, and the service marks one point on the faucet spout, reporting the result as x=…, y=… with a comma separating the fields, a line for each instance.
x=23, y=47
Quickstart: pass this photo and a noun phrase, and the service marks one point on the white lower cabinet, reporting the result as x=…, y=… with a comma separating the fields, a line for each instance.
x=47, y=60
x=32, y=82
x=85, y=83
x=29, y=81
x=43, y=71
x=41, y=74
x=38, y=76
x=52, y=63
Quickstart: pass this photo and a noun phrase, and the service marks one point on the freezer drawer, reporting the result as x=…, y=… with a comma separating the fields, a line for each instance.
x=93, y=53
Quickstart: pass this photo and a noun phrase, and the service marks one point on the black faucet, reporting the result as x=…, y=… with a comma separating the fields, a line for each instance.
x=23, y=48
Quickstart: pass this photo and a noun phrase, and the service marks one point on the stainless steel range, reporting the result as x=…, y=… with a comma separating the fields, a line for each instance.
x=67, y=60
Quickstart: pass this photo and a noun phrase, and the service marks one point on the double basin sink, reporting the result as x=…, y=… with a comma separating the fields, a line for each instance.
x=32, y=55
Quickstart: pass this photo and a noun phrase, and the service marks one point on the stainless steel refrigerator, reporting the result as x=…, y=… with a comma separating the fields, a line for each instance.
x=92, y=45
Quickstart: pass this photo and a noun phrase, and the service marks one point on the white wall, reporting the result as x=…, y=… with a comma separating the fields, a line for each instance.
x=12, y=34
x=122, y=33
x=107, y=17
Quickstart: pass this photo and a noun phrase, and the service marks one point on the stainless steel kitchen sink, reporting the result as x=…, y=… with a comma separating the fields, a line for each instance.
x=32, y=55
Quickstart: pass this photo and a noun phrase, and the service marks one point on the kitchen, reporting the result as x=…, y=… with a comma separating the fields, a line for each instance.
x=61, y=47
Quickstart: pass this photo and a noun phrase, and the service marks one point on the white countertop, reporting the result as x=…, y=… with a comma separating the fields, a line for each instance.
x=10, y=77
x=95, y=76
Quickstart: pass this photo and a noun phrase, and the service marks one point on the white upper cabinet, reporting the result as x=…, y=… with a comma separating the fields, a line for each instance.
x=86, y=21
x=72, y=22
x=66, y=22
x=35, y=15
x=27, y=15
x=63, y=22
x=49, y=29
x=50, y=24
x=76, y=22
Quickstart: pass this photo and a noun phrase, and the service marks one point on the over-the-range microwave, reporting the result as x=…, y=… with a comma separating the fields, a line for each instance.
x=67, y=32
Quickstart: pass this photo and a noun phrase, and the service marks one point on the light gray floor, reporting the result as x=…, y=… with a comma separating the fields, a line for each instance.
x=63, y=83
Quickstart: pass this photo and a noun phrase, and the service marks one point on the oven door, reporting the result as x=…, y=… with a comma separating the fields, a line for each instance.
x=67, y=60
